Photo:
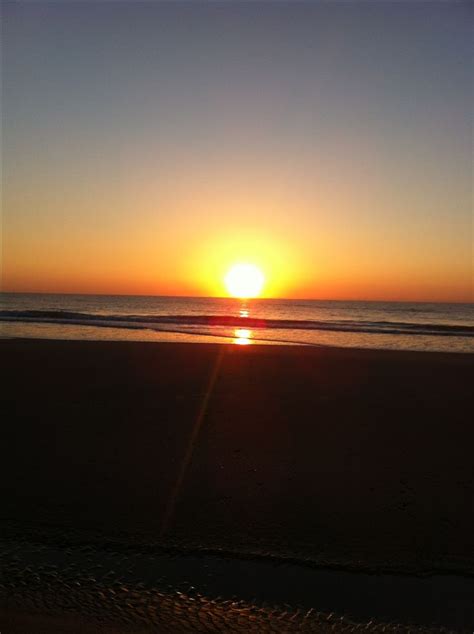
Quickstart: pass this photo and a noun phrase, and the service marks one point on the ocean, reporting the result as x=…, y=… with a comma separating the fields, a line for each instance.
x=382, y=325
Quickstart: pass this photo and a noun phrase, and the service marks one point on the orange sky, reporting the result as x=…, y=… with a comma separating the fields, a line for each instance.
x=148, y=161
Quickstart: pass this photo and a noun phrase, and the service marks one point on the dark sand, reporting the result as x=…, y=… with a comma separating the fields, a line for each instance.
x=352, y=460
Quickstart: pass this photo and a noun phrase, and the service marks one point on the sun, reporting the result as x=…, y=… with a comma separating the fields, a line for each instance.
x=244, y=281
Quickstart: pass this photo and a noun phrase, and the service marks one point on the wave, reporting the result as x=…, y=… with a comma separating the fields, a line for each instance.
x=160, y=322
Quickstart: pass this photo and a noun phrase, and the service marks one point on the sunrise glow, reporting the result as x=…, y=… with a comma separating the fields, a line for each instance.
x=244, y=281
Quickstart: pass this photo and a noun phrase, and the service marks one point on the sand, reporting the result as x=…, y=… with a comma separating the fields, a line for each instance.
x=352, y=460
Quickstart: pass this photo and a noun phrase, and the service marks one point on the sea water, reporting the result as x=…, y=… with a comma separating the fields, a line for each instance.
x=384, y=325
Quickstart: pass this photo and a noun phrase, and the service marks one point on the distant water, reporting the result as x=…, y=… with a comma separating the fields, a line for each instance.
x=395, y=325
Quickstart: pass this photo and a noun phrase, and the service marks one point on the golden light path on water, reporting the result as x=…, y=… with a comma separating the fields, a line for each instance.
x=242, y=336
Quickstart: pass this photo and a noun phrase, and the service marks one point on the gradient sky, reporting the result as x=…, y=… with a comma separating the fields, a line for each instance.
x=149, y=146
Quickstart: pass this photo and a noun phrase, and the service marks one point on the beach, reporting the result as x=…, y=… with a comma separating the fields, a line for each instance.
x=357, y=461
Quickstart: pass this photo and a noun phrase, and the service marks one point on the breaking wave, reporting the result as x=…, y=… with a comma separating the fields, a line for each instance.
x=167, y=322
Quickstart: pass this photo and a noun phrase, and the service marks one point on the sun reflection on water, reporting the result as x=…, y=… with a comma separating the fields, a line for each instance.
x=242, y=336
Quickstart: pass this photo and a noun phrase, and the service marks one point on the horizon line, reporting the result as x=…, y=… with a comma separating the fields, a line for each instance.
x=242, y=300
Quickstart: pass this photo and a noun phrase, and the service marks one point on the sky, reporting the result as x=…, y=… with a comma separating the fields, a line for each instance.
x=149, y=146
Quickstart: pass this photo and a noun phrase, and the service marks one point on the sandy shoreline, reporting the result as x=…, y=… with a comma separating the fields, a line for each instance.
x=359, y=459
x=113, y=586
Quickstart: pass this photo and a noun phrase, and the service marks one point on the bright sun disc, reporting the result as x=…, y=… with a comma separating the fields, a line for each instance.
x=244, y=281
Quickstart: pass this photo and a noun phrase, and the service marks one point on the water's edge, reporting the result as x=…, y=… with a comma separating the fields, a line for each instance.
x=132, y=583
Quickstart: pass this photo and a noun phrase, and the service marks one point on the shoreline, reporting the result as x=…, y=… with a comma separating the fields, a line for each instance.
x=109, y=586
x=200, y=339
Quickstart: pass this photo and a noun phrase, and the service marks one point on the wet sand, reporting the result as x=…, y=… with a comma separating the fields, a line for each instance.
x=352, y=460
